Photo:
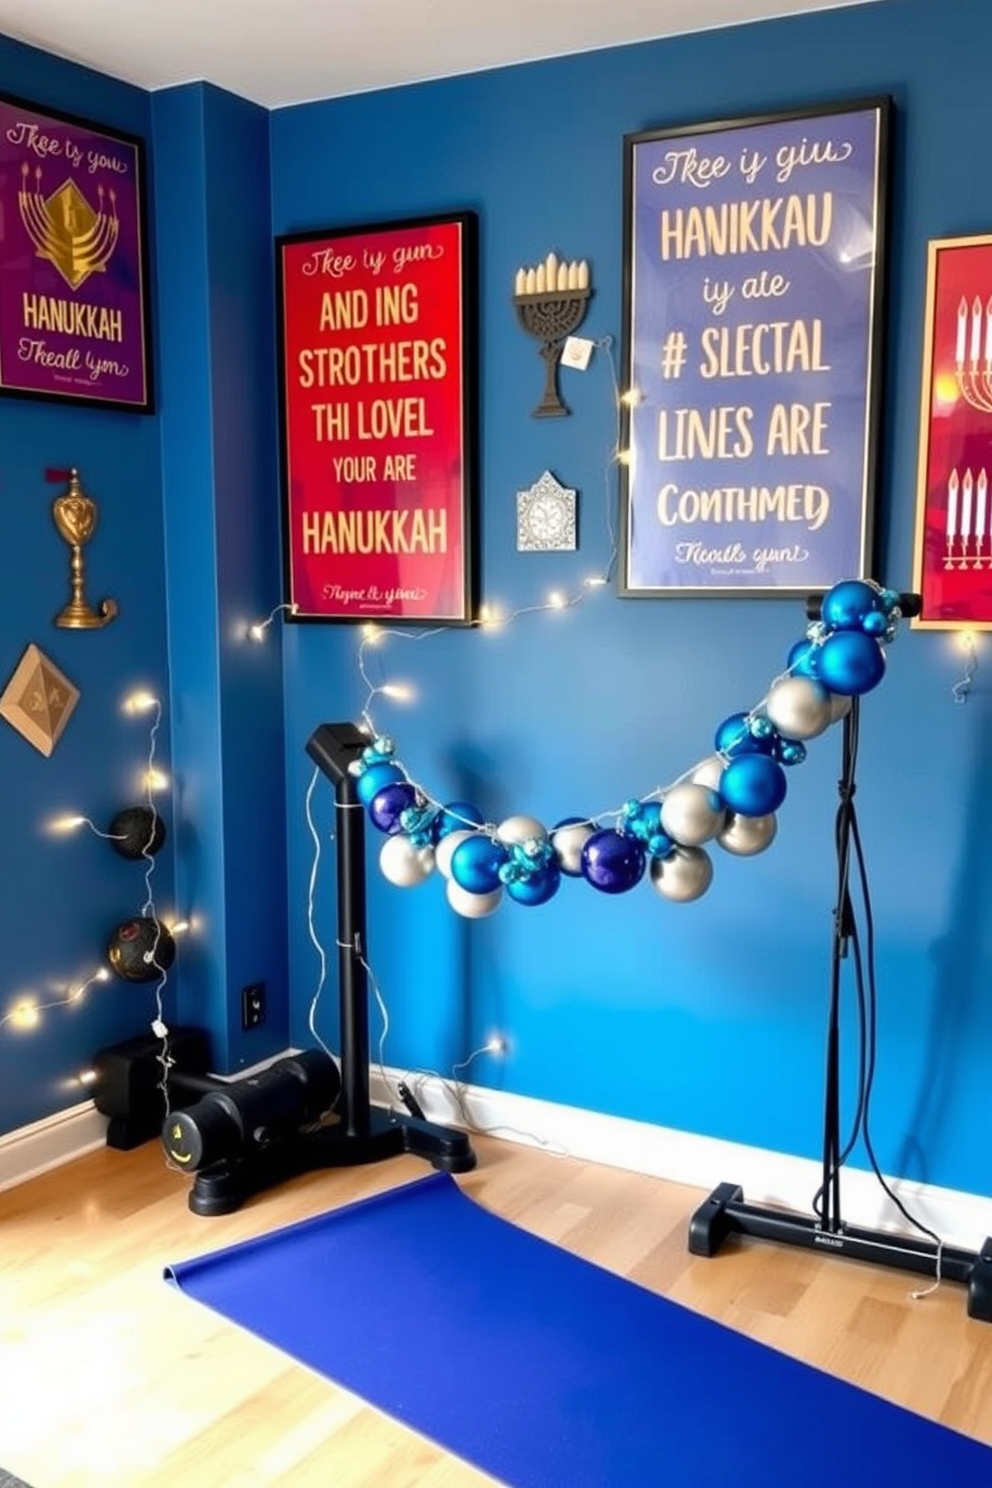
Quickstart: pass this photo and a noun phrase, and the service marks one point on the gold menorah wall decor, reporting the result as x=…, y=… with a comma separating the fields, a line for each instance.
x=550, y=301
x=75, y=516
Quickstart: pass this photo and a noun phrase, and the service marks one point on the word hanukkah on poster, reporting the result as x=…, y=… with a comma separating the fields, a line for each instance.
x=378, y=410
x=74, y=315
x=753, y=256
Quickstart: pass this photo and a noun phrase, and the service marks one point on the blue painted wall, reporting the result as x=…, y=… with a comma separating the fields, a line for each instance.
x=62, y=896
x=708, y=1017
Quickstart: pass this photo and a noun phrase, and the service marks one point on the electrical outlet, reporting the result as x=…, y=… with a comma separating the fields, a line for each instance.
x=253, y=1005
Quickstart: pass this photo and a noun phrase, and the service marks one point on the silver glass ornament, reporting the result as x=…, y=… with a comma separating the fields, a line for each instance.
x=709, y=771
x=516, y=830
x=747, y=835
x=405, y=864
x=799, y=707
x=692, y=814
x=472, y=906
x=568, y=843
x=684, y=875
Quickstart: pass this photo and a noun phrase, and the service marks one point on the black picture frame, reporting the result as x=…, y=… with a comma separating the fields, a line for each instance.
x=75, y=313
x=754, y=307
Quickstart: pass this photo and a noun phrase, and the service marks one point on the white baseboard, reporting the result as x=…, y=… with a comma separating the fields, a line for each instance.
x=772, y=1178
x=46, y=1144
x=766, y=1177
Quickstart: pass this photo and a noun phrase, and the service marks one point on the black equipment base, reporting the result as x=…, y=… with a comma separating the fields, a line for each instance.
x=224, y=1187
x=725, y=1213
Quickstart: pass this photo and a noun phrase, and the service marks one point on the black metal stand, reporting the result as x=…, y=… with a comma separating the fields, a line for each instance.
x=724, y=1213
x=363, y=1134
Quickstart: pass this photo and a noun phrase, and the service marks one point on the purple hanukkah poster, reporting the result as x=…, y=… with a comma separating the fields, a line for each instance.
x=73, y=292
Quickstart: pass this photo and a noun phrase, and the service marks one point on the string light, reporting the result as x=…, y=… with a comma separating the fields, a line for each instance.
x=61, y=825
x=962, y=688
x=140, y=702
x=256, y=632
x=25, y=1013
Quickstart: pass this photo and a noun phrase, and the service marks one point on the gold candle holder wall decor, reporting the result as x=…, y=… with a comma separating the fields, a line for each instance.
x=550, y=301
x=75, y=516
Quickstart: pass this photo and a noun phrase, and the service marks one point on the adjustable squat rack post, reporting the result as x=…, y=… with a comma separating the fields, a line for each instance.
x=725, y=1213
x=363, y=1133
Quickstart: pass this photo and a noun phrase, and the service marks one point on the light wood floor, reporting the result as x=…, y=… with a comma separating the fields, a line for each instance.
x=110, y=1379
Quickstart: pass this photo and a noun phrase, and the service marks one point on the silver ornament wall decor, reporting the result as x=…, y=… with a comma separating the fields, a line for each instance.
x=546, y=517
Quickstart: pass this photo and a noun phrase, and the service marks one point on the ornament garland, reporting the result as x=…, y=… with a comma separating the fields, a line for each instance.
x=731, y=797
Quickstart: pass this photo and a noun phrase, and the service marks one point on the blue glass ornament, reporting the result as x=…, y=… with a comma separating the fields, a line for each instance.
x=386, y=808
x=753, y=785
x=734, y=738
x=475, y=864
x=803, y=660
x=455, y=817
x=847, y=605
x=790, y=752
x=612, y=862
x=851, y=663
x=372, y=780
x=539, y=887
x=876, y=624
x=642, y=819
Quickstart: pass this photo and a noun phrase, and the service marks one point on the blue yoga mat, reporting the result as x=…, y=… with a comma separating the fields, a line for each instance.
x=547, y=1371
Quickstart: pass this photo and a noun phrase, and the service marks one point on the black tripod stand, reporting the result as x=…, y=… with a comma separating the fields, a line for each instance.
x=724, y=1213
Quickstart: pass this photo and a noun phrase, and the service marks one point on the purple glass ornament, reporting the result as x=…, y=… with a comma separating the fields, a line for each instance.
x=388, y=805
x=612, y=862
x=372, y=780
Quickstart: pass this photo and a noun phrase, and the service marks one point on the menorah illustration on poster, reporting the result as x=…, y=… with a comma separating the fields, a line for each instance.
x=954, y=514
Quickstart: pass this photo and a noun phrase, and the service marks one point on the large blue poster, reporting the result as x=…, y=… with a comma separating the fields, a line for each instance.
x=752, y=329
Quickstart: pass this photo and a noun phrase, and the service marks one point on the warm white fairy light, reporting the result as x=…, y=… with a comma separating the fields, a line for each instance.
x=141, y=701
x=398, y=692
x=965, y=641
x=61, y=825
x=256, y=631
x=25, y=1012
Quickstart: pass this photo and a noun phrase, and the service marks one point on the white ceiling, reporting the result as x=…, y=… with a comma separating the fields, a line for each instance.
x=278, y=52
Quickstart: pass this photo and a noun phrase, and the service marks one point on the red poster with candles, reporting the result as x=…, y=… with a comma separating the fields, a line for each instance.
x=378, y=410
x=954, y=512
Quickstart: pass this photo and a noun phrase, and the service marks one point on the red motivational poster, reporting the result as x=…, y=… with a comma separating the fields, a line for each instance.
x=378, y=411
x=954, y=502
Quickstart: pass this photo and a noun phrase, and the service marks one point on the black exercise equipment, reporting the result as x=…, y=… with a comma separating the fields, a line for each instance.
x=239, y=1136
